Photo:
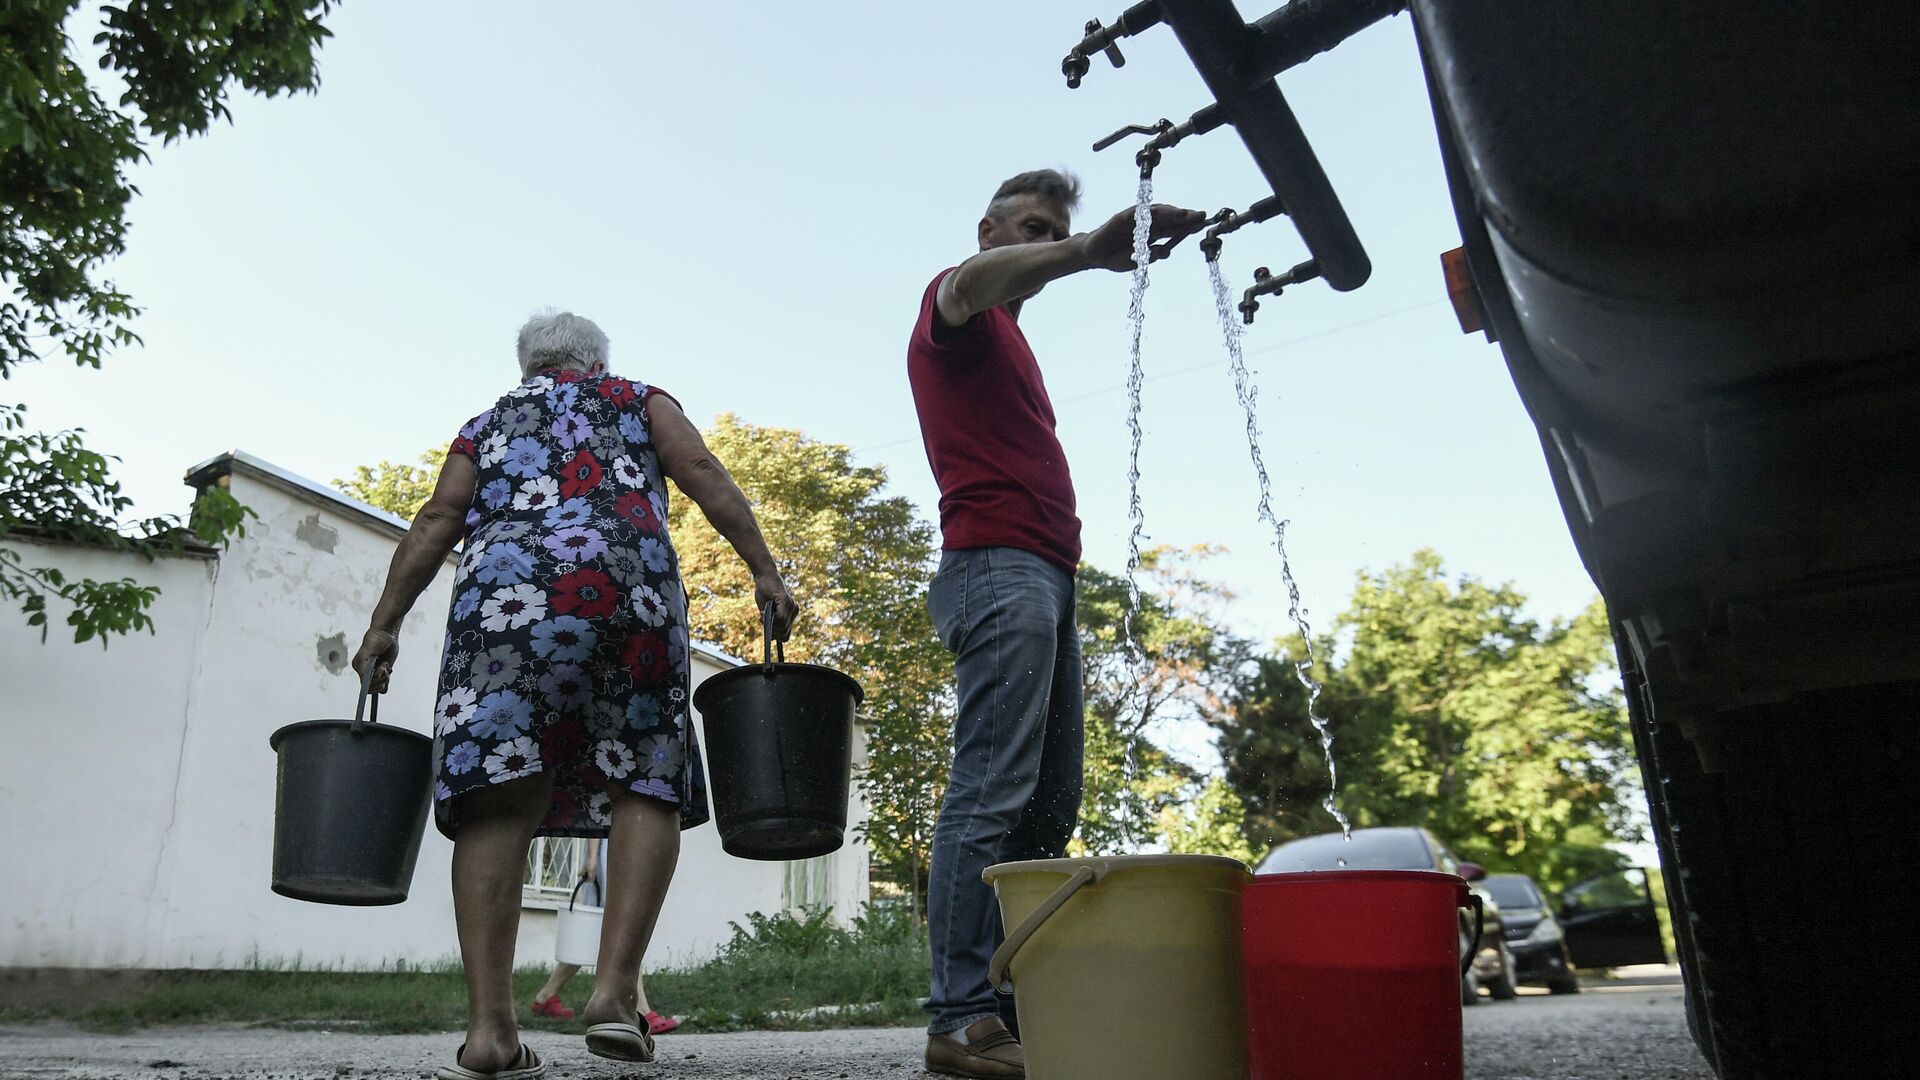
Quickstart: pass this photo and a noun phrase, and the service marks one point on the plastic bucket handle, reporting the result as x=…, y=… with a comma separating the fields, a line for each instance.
x=583, y=883
x=1003, y=956
x=767, y=644
x=1479, y=925
x=360, y=707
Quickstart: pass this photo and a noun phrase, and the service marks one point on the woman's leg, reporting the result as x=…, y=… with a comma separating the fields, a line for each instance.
x=562, y=974
x=489, y=863
x=642, y=849
x=640, y=987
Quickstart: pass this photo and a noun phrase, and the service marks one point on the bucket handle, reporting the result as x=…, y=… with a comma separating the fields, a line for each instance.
x=583, y=883
x=1479, y=906
x=360, y=708
x=767, y=644
x=997, y=973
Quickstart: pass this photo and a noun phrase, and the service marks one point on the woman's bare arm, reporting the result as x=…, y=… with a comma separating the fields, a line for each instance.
x=436, y=529
x=685, y=458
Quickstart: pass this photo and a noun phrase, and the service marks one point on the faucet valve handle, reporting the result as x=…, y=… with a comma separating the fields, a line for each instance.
x=1112, y=48
x=1159, y=128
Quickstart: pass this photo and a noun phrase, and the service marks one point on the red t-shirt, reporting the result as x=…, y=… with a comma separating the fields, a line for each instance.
x=989, y=431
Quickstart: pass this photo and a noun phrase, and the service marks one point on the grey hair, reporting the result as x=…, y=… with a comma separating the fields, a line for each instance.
x=1057, y=184
x=561, y=339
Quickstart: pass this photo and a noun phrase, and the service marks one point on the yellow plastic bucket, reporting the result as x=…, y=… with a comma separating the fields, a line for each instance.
x=1095, y=947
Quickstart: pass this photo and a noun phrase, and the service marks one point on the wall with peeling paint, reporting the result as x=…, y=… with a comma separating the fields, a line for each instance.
x=137, y=786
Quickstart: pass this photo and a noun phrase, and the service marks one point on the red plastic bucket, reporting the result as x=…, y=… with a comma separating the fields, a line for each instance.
x=1353, y=975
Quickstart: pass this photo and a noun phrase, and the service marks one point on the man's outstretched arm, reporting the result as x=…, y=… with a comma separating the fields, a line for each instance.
x=1005, y=274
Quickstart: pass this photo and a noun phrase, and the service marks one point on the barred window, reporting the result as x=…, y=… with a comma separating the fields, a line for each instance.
x=553, y=867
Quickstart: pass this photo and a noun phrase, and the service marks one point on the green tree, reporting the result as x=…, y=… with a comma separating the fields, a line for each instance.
x=1213, y=822
x=63, y=198
x=1272, y=757
x=858, y=561
x=1182, y=667
x=397, y=489
x=1450, y=709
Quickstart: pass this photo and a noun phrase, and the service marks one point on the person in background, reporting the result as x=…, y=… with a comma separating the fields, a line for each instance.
x=1002, y=599
x=546, y=1000
x=564, y=677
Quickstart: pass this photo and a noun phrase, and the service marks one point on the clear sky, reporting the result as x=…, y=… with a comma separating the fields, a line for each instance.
x=750, y=200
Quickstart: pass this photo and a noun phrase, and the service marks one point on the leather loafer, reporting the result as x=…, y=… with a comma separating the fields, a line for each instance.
x=990, y=1053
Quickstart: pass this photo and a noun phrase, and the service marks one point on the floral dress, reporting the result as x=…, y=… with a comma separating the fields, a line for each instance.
x=566, y=646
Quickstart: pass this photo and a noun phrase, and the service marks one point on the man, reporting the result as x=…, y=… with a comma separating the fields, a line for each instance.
x=1002, y=600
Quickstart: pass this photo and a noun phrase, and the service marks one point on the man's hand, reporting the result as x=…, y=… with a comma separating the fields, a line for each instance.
x=378, y=649
x=769, y=589
x=1110, y=246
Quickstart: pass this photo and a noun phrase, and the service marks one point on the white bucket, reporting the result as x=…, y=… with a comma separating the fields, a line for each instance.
x=576, y=935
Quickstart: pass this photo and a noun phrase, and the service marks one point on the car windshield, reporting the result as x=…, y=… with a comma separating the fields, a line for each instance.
x=1513, y=892
x=1385, y=849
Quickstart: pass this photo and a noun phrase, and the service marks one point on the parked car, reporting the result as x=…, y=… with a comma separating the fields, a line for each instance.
x=1610, y=921
x=1412, y=849
x=1534, y=935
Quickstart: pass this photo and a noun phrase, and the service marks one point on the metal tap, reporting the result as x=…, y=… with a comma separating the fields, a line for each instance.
x=1227, y=221
x=1210, y=244
x=1266, y=283
x=1098, y=39
x=1101, y=39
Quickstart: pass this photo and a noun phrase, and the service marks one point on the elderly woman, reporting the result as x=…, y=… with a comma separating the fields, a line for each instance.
x=563, y=689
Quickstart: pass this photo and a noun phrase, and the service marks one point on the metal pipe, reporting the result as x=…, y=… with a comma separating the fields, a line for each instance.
x=1227, y=221
x=1198, y=124
x=1265, y=210
x=1214, y=37
x=1099, y=38
x=1303, y=29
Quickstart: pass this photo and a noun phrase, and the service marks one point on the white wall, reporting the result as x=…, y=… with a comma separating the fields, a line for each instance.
x=92, y=742
x=137, y=787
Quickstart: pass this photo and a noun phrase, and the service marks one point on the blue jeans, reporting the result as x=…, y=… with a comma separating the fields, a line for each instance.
x=1018, y=747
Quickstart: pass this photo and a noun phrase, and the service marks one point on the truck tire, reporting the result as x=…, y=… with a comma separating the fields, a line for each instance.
x=1805, y=818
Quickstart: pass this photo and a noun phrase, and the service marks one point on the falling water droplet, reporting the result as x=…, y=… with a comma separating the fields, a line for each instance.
x=1243, y=388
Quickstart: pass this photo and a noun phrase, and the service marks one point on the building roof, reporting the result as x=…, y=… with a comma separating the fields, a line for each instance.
x=216, y=469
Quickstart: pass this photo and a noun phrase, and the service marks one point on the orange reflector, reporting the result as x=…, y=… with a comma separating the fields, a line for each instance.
x=1466, y=299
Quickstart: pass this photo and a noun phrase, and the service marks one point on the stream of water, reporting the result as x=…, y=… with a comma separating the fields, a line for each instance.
x=1136, y=377
x=1231, y=328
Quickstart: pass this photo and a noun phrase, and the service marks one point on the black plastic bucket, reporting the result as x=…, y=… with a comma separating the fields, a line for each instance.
x=352, y=800
x=780, y=751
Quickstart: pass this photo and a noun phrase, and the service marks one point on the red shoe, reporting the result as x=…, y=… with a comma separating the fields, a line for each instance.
x=660, y=1025
x=552, y=1007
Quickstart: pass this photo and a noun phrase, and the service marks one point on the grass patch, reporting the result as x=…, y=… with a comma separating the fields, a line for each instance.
x=777, y=971
x=782, y=972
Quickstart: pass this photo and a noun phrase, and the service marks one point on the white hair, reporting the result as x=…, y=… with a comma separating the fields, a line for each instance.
x=561, y=339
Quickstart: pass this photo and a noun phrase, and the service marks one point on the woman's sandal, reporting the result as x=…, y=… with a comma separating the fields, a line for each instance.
x=619, y=1042
x=526, y=1065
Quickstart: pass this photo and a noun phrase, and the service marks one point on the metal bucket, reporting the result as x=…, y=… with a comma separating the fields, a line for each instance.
x=350, y=806
x=780, y=752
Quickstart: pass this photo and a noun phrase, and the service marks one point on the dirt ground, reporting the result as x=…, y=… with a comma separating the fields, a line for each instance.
x=1629, y=1031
